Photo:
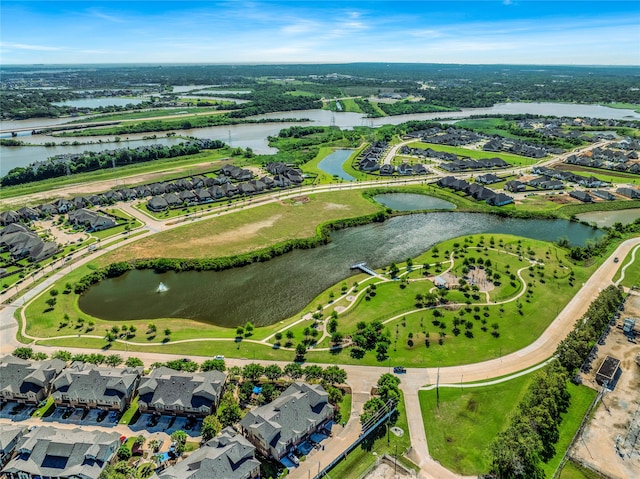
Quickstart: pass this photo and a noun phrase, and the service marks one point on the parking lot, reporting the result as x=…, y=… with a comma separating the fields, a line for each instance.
x=168, y=424
x=82, y=417
x=16, y=411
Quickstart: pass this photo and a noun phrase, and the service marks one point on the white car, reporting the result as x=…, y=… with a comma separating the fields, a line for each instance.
x=219, y=356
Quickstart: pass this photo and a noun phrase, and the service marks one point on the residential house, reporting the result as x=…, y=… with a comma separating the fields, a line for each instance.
x=9, y=217
x=420, y=169
x=227, y=456
x=157, y=204
x=9, y=437
x=28, y=214
x=515, y=186
x=500, y=200
x=203, y=195
x=581, y=196
x=173, y=200
x=368, y=165
x=51, y=452
x=90, y=386
x=48, y=210
x=488, y=179
x=551, y=185
x=27, y=382
x=629, y=192
x=605, y=195
x=275, y=429
x=63, y=205
x=22, y=242
x=404, y=169
x=90, y=220
x=167, y=391
x=387, y=169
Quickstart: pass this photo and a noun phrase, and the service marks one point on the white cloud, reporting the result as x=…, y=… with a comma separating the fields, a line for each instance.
x=24, y=46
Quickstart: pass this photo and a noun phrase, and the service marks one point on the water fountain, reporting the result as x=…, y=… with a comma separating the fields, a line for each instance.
x=162, y=288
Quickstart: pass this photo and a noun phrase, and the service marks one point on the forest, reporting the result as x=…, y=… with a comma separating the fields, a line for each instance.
x=23, y=94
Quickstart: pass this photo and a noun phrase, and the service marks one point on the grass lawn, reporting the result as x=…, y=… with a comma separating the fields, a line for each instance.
x=170, y=168
x=130, y=412
x=476, y=154
x=572, y=470
x=487, y=125
x=581, y=399
x=466, y=421
x=632, y=273
x=461, y=428
x=361, y=458
x=249, y=229
x=604, y=175
x=44, y=410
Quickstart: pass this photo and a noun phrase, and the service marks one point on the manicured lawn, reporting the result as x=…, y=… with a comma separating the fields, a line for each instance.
x=362, y=457
x=130, y=412
x=477, y=154
x=460, y=429
x=581, y=399
x=466, y=421
x=632, y=272
x=604, y=175
x=42, y=411
x=571, y=470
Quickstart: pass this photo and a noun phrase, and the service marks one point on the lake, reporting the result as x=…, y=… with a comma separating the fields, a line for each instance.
x=413, y=202
x=265, y=293
x=333, y=162
x=608, y=218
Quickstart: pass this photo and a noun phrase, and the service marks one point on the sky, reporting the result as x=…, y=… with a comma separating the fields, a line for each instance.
x=579, y=32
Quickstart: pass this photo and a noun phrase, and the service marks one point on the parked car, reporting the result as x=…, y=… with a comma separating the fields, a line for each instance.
x=615, y=260
x=399, y=370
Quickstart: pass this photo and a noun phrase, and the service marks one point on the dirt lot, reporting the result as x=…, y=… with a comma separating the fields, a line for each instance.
x=384, y=470
x=618, y=415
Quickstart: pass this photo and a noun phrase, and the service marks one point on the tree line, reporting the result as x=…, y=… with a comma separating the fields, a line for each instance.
x=63, y=165
x=160, y=265
x=530, y=438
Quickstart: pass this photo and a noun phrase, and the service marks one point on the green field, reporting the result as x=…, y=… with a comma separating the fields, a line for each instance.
x=465, y=422
x=148, y=114
x=632, y=273
x=167, y=168
x=572, y=470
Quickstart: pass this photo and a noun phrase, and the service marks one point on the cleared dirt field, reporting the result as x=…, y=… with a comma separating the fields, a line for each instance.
x=617, y=412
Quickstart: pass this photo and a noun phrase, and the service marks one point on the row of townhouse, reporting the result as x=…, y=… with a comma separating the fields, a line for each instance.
x=274, y=429
x=476, y=190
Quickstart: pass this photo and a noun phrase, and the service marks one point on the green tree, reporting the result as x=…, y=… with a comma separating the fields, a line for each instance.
x=334, y=375
x=371, y=408
x=23, y=353
x=180, y=438
x=213, y=365
x=293, y=370
x=273, y=372
x=211, y=427
x=312, y=372
x=252, y=371
x=229, y=413
x=133, y=362
x=113, y=360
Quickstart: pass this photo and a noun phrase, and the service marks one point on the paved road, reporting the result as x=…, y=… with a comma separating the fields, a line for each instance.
x=362, y=378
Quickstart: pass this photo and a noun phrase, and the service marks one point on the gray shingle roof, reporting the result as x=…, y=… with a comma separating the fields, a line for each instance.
x=167, y=387
x=228, y=456
x=85, y=382
x=299, y=409
x=49, y=451
x=21, y=376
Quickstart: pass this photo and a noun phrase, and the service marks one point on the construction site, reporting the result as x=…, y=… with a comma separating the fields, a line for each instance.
x=609, y=443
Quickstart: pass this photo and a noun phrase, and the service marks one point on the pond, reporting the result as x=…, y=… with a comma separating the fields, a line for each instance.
x=608, y=218
x=333, y=162
x=413, y=202
x=265, y=293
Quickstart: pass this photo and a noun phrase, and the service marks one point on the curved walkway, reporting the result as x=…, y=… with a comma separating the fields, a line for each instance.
x=624, y=268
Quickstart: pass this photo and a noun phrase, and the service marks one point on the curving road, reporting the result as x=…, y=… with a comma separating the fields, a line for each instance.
x=362, y=378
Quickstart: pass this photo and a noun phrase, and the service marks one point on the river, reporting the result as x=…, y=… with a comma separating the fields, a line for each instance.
x=265, y=293
x=254, y=136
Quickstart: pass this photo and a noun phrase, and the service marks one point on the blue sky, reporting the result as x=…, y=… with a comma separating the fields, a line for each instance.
x=482, y=31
